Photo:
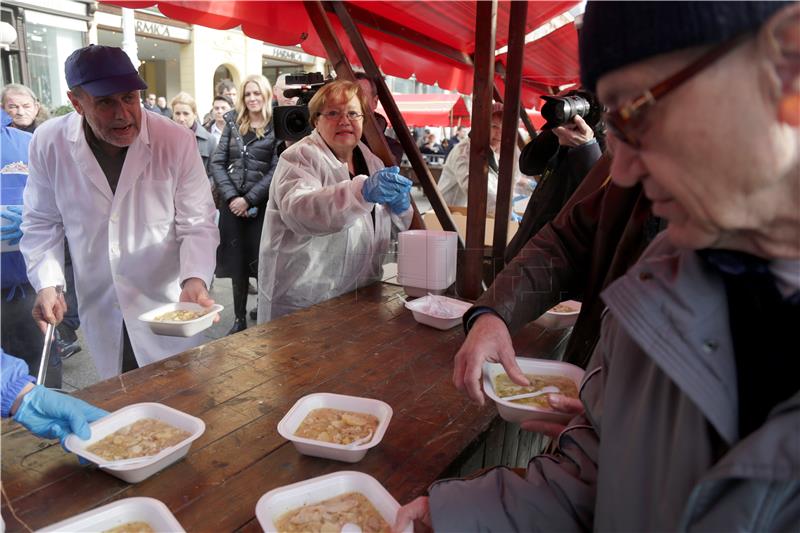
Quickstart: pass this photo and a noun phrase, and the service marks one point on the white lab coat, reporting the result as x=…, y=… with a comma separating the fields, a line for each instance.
x=130, y=249
x=454, y=181
x=319, y=240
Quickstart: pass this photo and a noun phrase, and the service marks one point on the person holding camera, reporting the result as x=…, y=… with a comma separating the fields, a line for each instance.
x=242, y=169
x=561, y=156
x=331, y=211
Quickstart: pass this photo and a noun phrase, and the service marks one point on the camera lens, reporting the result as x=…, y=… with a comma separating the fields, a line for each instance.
x=291, y=122
x=559, y=110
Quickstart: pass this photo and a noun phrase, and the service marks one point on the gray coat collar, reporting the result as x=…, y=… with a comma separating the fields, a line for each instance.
x=676, y=309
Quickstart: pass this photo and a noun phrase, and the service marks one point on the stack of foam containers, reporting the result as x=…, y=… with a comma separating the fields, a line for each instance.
x=426, y=261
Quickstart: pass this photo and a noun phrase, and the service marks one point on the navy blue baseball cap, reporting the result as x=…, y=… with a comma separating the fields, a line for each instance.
x=102, y=71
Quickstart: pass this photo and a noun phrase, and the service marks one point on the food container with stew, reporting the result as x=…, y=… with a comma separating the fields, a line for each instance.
x=438, y=312
x=180, y=319
x=326, y=502
x=351, y=451
x=133, y=467
x=561, y=316
x=542, y=373
x=121, y=516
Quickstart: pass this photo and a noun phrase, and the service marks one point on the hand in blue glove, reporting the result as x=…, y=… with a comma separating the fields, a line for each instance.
x=12, y=232
x=400, y=204
x=385, y=185
x=52, y=415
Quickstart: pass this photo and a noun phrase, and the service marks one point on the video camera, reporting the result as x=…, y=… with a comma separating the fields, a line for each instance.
x=560, y=110
x=291, y=121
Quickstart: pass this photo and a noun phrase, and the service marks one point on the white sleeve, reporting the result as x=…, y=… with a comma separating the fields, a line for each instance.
x=42, y=243
x=195, y=229
x=305, y=205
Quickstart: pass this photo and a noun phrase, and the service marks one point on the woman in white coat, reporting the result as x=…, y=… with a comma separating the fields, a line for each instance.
x=331, y=212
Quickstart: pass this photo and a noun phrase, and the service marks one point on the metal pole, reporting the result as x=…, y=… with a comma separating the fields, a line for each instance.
x=129, y=45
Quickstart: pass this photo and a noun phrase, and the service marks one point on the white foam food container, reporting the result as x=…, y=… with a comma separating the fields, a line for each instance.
x=426, y=261
x=186, y=328
x=328, y=450
x=278, y=501
x=558, y=320
x=449, y=315
x=516, y=412
x=139, y=471
x=139, y=509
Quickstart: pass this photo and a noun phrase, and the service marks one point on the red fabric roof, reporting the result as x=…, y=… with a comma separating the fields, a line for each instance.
x=450, y=22
x=548, y=62
x=431, y=109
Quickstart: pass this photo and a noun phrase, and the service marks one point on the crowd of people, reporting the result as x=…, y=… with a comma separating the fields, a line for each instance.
x=679, y=232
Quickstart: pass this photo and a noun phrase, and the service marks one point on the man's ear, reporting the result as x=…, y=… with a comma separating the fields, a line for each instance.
x=73, y=99
x=780, y=37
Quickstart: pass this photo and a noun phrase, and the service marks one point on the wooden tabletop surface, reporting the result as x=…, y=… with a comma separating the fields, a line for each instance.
x=362, y=344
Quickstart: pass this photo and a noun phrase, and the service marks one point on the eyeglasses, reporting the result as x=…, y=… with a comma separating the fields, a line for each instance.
x=334, y=114
x=627, y=123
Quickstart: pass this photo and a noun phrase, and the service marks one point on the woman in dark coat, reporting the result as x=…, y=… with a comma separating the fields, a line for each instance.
x=242, y=168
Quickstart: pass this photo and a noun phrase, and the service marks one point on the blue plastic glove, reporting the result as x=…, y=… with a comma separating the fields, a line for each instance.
x=12, y=232
x=385, y=185
x=52, y=415
x=400, y=204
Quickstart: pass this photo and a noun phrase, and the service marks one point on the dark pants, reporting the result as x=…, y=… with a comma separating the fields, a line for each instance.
x=21, y=337
x=128, y=358
x=71, y=320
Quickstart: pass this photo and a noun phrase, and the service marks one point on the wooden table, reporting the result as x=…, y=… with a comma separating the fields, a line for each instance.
x=363, y=343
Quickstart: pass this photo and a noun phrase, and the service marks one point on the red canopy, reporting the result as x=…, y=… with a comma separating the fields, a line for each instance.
x=431, y=109
x=448, y=23
x=549, y=62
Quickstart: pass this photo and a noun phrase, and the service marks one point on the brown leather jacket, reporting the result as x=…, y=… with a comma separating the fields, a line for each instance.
x=601, y=231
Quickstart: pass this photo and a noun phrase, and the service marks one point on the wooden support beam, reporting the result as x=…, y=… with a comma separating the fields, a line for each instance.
x=396, y=119
x=375, y=139
x=523, y=115
x=471, y=267
x=513, y=82
x=499, y=98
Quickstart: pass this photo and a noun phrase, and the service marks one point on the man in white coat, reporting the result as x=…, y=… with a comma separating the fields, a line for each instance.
x=129, y=191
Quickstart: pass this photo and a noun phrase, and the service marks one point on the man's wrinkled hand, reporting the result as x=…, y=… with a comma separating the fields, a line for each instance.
x=49, y=308
x=195, y=291
x=488, y=340
x=560, y=403
x=416, y=510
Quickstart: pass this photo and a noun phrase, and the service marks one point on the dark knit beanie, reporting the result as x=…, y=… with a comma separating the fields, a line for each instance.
x=615, y=34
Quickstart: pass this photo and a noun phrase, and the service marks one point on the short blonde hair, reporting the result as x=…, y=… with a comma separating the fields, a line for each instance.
x=243, y=116
x=185, y=99
x=335, y=91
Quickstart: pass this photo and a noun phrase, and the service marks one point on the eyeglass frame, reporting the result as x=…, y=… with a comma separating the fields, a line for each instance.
x=624, y=119
x=334, y=114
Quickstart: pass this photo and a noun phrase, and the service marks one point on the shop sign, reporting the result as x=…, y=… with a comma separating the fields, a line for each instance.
x=285, y=54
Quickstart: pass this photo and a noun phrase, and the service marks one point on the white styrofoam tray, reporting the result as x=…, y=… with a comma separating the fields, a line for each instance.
x=444, y=322
x=120, y=512
x=555, y=320
x=283, y=499
x=328, y=450
x=516, y=412
x=134, y=473
x=186, y=328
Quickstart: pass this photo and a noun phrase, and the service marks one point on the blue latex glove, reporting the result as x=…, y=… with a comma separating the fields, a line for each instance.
x=52, y=415
x=12, y=232
x=400, y=204
x=385, y=185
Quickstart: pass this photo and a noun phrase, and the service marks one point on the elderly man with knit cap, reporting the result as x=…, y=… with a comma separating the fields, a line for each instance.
x=692, y=403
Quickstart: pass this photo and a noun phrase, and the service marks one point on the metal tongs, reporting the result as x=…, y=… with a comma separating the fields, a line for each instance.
x=48, y=344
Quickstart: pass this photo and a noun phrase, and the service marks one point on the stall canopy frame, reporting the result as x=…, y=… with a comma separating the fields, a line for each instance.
x=397, y=38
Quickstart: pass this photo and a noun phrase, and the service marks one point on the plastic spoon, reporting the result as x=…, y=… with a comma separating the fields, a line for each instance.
x=362, y=440
x=350, y=527
x=550, y=389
